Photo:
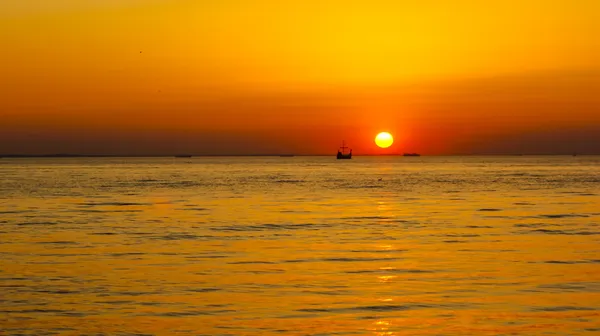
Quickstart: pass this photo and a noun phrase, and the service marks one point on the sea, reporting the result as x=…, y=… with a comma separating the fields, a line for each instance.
x=446, y=245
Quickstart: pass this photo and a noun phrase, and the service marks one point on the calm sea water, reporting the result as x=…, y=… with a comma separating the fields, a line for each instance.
x=300, y=246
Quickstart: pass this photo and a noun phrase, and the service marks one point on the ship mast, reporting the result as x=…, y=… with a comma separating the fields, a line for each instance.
x=343, y=146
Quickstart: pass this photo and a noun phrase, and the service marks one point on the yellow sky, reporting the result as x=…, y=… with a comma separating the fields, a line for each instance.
x=252, y=68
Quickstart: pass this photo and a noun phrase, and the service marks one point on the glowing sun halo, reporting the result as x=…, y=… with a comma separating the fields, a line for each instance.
x=384, y=140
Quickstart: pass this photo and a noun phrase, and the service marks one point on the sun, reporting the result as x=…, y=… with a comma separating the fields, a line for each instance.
x=384, y=139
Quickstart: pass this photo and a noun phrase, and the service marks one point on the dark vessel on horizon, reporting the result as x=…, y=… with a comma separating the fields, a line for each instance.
x=411, y=154
x=341, y=155
x=183, y=156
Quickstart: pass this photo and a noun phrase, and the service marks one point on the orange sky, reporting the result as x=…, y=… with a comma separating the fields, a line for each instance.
x=270, y=76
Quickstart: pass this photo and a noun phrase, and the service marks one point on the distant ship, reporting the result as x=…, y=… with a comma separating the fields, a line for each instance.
x=411, y=154
x=183, y=156
x=341, y=155
x=286, y=155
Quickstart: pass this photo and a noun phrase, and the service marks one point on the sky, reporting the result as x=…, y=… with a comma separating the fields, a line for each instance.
x=153, y=77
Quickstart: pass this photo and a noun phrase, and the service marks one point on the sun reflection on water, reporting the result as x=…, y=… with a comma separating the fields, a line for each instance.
x=382, y=328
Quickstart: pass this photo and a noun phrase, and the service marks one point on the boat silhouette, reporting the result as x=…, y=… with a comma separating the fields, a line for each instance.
x=341, y=155
x=411, y=154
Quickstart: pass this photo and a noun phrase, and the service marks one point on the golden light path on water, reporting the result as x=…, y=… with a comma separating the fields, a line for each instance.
x=300, y=246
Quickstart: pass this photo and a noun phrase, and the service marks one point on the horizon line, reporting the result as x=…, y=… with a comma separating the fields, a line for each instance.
x=67, y=155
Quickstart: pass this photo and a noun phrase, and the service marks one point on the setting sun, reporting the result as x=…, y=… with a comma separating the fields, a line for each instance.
x=384, y=140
